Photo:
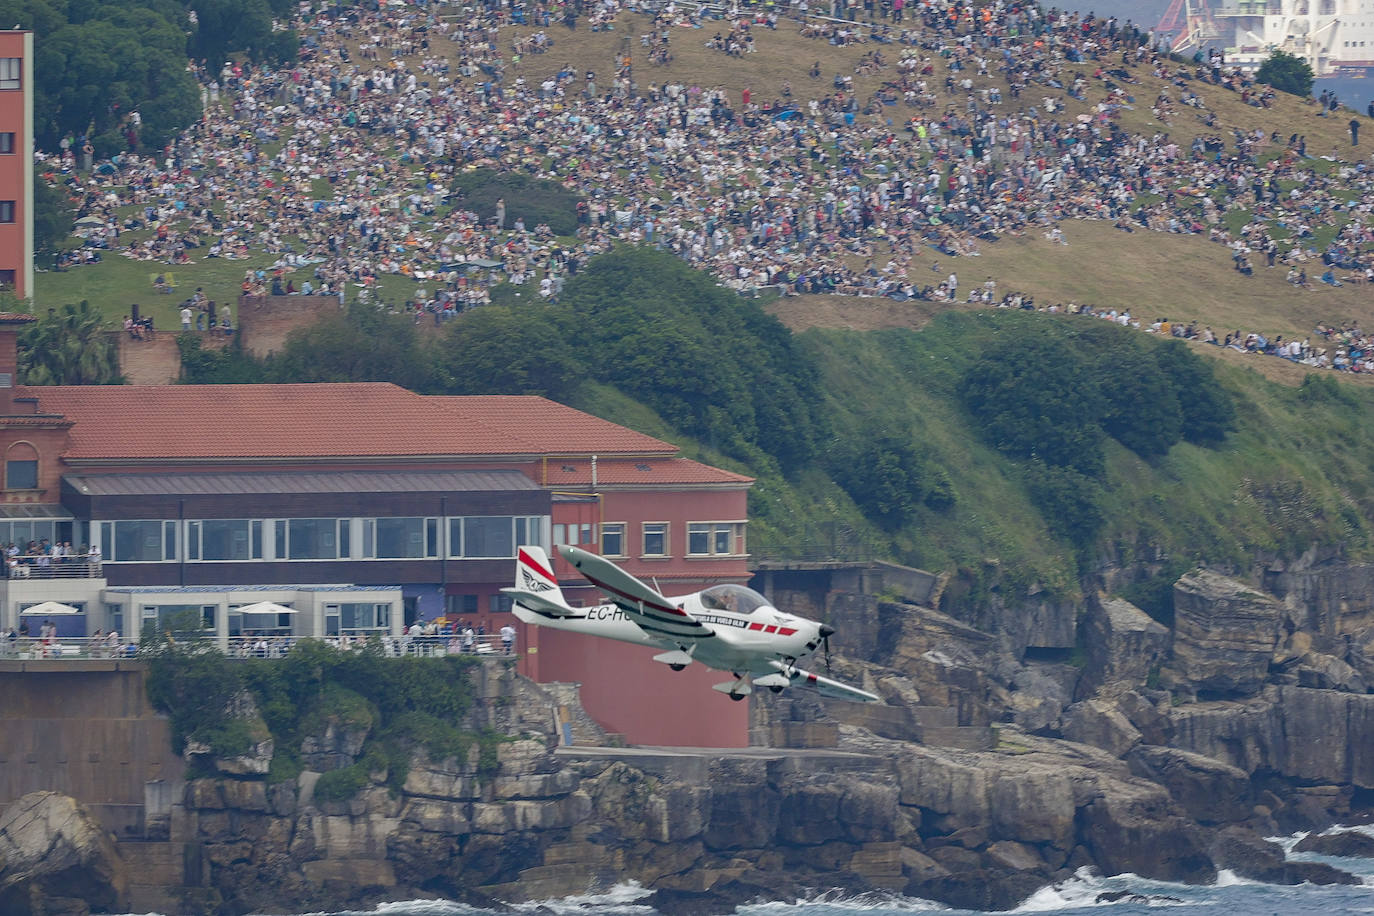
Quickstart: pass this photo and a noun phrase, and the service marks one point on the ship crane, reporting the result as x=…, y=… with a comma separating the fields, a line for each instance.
x=1191, y=22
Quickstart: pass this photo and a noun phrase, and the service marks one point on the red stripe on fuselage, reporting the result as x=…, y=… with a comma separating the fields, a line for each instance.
x=537, y=567
x=756, y=626
x=786, y=631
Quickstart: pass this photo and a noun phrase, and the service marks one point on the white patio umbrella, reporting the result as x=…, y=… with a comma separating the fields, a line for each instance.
x=266, y=607
x=49, y=609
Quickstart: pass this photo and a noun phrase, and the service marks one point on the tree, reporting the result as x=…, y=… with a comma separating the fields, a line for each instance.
x=506, y=350
x=363, y=344
x=225, y=27
x=70, y=346
x=889, y=479
x=714, y=365
x=1208, y=411
x=52, y=218
x=1286, y=73
x=1040, y=404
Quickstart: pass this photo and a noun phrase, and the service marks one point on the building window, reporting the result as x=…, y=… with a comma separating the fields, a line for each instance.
x=529, y=531
x=613, y=539
x=715, y=539
x=6, y=141
x=133, y=541
x=224, y=539
x=458, y=605
x=11, y=72
x=6, y=211
x=488, y=536
x=309, y=538
x=500, y=604
x=21, y=475
x=405, y=538
x=495, y=536
x=655, y=539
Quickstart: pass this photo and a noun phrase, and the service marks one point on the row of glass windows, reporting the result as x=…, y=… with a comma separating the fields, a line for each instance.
x=339, y=619
x=704, y=539
x=219, y=540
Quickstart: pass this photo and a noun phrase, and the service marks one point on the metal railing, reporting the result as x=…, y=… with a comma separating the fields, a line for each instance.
x=278, y=645
x=73, y=648
x=73, y=567
x=65, y=647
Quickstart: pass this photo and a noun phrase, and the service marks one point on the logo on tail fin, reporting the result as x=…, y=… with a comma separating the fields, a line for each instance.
x=533, y=583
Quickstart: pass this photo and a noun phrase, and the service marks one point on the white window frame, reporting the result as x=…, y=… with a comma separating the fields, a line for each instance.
x=644, y=540
x=620, y=530
x=734, y=530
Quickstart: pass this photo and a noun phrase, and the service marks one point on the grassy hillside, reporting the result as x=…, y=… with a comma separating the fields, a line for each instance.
x=1291, y=476
x=1288, y=479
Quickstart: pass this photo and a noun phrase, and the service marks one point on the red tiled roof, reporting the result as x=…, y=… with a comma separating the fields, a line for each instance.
x=353, y=419
x=628, y=472
x=553, y=427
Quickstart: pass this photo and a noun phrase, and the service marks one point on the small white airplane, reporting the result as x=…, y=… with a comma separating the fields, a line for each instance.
x=725, y=627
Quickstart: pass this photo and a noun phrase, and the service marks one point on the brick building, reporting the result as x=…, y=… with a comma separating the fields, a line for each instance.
x=16, y=162
x=361, y=507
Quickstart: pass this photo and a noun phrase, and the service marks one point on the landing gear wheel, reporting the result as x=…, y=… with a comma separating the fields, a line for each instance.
x=736, y=697
x=677, y=667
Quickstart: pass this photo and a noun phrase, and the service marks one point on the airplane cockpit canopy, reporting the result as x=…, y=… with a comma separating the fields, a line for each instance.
x=734, y=598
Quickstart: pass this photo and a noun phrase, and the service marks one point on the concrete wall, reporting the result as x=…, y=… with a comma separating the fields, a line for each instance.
x=85, y=729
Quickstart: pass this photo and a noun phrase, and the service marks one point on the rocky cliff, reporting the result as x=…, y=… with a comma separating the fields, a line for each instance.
x=997, y=764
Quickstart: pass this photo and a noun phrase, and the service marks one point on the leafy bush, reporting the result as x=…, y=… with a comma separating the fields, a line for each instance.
x=342, y=784
x=717, y=367
x=889, y=479
x=1209, y=412
x=408, y=703
x=231, y=365
x=194, y=684
x=1034, y=399
x=535, y=200
x=1072, y=383
x=1286, y=73
x=1069, y=501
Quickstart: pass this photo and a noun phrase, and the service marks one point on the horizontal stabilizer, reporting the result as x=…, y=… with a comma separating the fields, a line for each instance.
x=537, y=602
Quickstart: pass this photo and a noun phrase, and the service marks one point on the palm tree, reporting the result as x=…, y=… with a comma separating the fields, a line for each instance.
x=71, y=346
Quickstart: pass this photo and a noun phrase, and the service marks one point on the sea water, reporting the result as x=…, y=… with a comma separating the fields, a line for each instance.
x=1085, y=893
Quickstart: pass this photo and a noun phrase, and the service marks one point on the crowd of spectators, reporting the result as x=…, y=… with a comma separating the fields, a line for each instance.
x=339, y=167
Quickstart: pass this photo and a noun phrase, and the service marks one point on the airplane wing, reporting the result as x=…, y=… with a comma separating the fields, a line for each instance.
x=653, y=613
x=825, y=686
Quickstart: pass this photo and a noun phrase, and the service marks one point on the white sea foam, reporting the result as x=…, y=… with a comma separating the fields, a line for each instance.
x=621, y=898
x=836, y=901
x=1228, y=878
x=1086, y=888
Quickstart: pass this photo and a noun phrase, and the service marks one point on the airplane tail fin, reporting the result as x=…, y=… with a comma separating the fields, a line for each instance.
x=536, y=587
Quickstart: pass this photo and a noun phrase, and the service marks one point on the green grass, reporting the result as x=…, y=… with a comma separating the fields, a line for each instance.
x=117, y=282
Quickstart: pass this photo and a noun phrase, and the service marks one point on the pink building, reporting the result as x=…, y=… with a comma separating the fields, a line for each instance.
x=16, y=162
x=368, y=507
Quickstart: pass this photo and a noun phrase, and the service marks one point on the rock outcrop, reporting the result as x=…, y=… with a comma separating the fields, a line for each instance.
x=1224, y=636
x=54, y=858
